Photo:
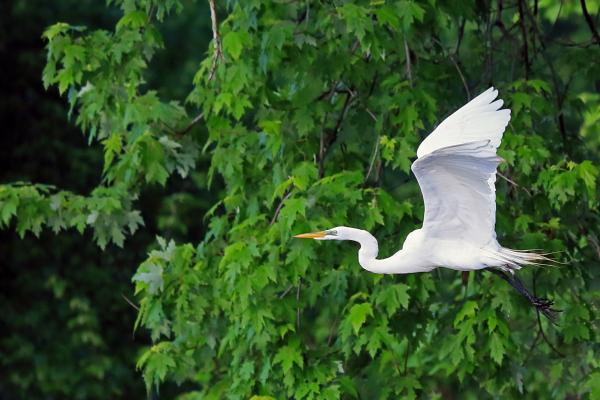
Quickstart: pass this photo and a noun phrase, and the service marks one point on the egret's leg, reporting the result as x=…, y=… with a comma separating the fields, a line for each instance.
x=465, y=278
x=543, y=305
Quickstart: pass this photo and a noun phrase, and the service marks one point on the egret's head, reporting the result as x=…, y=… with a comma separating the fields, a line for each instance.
x=338, y=233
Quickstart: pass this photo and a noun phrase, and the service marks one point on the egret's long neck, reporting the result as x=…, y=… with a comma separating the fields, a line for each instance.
x=368, y=249
x=400, y=263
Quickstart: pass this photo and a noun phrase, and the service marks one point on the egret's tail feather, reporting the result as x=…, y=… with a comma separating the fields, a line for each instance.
x=515, y=259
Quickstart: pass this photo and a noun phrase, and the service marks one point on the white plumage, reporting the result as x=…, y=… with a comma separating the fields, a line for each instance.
x=459, y=192
x=479, y=119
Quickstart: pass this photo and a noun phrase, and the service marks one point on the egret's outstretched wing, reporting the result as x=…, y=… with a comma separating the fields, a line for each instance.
x=456, y=170
x=479, y=119
x=458, y=189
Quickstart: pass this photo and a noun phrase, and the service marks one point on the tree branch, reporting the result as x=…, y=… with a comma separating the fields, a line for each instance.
x=557, y=16
x=332, y=331
x=461, y=32
x=196, y=119
x=322, y=149
x=539, y=320
x=286, y=291
x=373, y=159
x=524, y=34
x=341, y=117
x=593, y=241
x=406, y=357
x=462, y=77
x=325, y=142
x=533, y=345
x=130, y=302
x=298, y=303
x=515, y=184
x=218, y=51
x=375, y=151
x=408, y=66
x=590, y=22
x=278, y=209
x=560, y=97
x=451, y=57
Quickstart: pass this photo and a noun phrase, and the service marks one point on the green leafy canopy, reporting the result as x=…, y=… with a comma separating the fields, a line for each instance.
x=310, y=114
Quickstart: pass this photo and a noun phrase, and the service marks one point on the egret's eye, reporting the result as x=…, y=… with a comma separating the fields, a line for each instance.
x=332, y=232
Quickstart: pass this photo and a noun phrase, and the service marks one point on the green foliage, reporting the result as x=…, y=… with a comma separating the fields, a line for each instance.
x=102, y=73
x=107, y=211
x=312, y=120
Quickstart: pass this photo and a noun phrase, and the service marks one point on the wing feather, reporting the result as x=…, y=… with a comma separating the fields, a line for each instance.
x=479, y=119
x=456, y=170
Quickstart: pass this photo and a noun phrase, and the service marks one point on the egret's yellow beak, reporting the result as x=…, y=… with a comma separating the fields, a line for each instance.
x=312, y=235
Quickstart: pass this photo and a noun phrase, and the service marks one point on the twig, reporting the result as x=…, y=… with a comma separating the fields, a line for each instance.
x=488, y=72
x=376, y=147
x=462, y=77
x=325, y=142
x=378, y=172
x=278, y=209
x=150, y=13
x=322, y=149
x=351, y=92
x=537, y=337
x=582, y=45
x=515, y=184
x=130, y=302
x=371, y=114
x=332, y=330
x=373, y=158
x=508, y=36
x=395, y=360
x=539, y=320
x=557, y=16
x=298, y=303
x=555, y=81
x=282, y=295
x=406, y=356
x=167, y=127
x=594, y=243
x=341, y=117
x=590, y=22
x=456, y=56
x=461, y=32
x=544, y=335
x=524, y=34
x=372, y=86
x=196, y=119
x=498, y=14
x=354, y=47
x=218, y=52
x=408, y=66
x=307, y=12
x=328, y=93
x=451, y=57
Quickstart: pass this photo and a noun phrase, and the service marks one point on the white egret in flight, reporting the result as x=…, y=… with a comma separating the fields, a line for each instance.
x=456, y=170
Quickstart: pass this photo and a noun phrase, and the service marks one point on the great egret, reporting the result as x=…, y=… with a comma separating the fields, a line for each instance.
x=456, y=170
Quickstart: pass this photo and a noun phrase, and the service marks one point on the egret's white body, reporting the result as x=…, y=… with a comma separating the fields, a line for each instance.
x=456, y=170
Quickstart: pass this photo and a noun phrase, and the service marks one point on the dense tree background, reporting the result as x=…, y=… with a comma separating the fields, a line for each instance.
x=153, y=172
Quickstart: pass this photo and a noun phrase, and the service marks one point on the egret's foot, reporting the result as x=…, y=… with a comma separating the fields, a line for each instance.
x=545, y=307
